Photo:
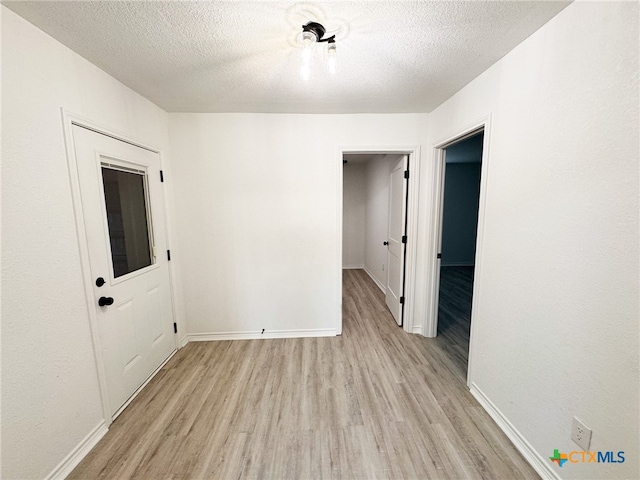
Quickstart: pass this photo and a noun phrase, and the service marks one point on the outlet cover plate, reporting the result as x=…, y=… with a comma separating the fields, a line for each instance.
x=581, y=434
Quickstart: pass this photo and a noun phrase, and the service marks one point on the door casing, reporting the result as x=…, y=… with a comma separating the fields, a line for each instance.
x=68, y=120
x=435, y=227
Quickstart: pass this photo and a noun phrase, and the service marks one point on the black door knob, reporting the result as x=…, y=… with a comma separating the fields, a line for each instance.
x=385, y=243
x=103, y=301
x=100, y=281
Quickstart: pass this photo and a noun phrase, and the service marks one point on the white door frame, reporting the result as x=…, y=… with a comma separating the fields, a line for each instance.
x=412, y=225
x=68, y=120
x=435, y=227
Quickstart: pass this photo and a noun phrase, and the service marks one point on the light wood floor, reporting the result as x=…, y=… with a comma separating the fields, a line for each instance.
x=373, y=403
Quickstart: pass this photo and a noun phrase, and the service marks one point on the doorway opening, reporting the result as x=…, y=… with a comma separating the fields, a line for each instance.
x=374, y=223
x=460, y=201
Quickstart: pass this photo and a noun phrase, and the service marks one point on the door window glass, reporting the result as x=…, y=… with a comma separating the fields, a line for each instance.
x=127, y=216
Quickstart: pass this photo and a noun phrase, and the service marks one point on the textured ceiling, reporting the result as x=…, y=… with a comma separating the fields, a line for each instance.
x=238, y=56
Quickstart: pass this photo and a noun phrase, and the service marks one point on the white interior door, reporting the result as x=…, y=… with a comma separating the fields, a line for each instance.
x=396, y=250
x=122, y=207
x=438, y=260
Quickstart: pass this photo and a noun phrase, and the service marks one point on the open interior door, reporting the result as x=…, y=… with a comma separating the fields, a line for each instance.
x=397, y=233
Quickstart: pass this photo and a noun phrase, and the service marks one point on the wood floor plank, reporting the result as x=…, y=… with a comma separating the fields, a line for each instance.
x=373, y=403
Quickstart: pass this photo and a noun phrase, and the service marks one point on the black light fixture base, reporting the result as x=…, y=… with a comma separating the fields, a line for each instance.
x=319, y=31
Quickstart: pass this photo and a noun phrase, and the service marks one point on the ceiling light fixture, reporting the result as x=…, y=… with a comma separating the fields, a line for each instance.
x=312, y=34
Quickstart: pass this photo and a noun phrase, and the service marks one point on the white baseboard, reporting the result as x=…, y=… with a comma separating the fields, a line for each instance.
x=417, y=329
x=71, y=461
x=183, y=341
x=253, y=335
x=377, y=282
x=537, y=461
x=352, y=267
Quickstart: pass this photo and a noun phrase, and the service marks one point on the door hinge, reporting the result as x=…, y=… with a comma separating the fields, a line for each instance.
x=169, y=255
x=439, y=255
x=404, y=239
x=161, y=176
x=175, y=327
x=401, y=300
x=406, y=174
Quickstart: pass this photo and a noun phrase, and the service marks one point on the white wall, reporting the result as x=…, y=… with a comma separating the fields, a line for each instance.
x=50, y=397
x=257, y=198
x=353, y=215
x=555, y=326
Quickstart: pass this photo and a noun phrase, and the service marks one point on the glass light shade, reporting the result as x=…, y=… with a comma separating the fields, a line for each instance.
x=305, y=71
x=307, y=42
x=331, y=59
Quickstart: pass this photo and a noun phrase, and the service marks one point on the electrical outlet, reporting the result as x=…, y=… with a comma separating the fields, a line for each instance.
x=581, y=434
